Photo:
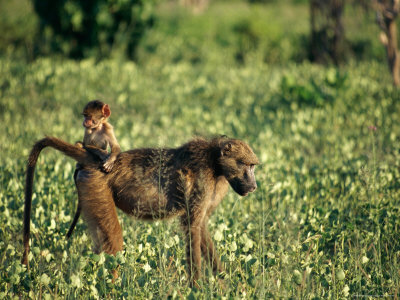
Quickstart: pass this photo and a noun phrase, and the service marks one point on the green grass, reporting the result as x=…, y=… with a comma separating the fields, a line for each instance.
x=323, y=222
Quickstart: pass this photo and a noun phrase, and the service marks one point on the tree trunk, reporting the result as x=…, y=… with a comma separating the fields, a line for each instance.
x=393, y=53
x=327, y=32
x=386, y=15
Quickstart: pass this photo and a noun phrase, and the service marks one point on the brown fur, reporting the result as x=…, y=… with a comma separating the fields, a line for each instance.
x=99, y=134
x=189, y=182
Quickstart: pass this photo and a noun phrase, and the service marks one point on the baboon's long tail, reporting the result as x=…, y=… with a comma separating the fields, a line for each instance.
x=77, y=153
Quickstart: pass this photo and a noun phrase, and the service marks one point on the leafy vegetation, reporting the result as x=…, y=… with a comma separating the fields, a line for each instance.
x=324, y=221
x=92, y=28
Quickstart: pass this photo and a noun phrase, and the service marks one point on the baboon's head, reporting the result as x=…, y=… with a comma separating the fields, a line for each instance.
x=237, y=162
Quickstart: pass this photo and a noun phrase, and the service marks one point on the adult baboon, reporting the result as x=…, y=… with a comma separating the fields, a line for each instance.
x=189, y=182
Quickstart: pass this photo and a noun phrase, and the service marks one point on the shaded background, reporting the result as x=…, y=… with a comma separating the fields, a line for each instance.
x=237, y=32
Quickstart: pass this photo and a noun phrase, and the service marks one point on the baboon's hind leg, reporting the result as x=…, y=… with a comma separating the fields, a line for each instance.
x=99, y=212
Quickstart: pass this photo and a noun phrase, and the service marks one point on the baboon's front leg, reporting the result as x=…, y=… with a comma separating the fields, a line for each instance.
x=208, y=249
x=193, y=248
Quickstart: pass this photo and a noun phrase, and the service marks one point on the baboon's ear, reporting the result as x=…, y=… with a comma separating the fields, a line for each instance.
x=226, y=149
x=106, y=110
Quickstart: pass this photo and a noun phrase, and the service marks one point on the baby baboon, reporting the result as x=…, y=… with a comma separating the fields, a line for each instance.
x=98, y=131
x=189, y=182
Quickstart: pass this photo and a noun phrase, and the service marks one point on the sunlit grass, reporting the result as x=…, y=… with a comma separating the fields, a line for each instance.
x=323, y=221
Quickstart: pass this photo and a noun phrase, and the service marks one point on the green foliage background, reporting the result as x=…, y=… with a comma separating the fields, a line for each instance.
x=324, y=221
x=80, y=29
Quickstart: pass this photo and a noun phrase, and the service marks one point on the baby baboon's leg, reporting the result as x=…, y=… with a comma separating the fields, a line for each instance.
x=100, y=153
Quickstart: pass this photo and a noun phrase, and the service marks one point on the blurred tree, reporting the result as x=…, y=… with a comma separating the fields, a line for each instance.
x=247, y=39
x=93, y=27
x=18, y=26
x=327, y=33
x=386, y=15
x=196, y=6
x=261, y=1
